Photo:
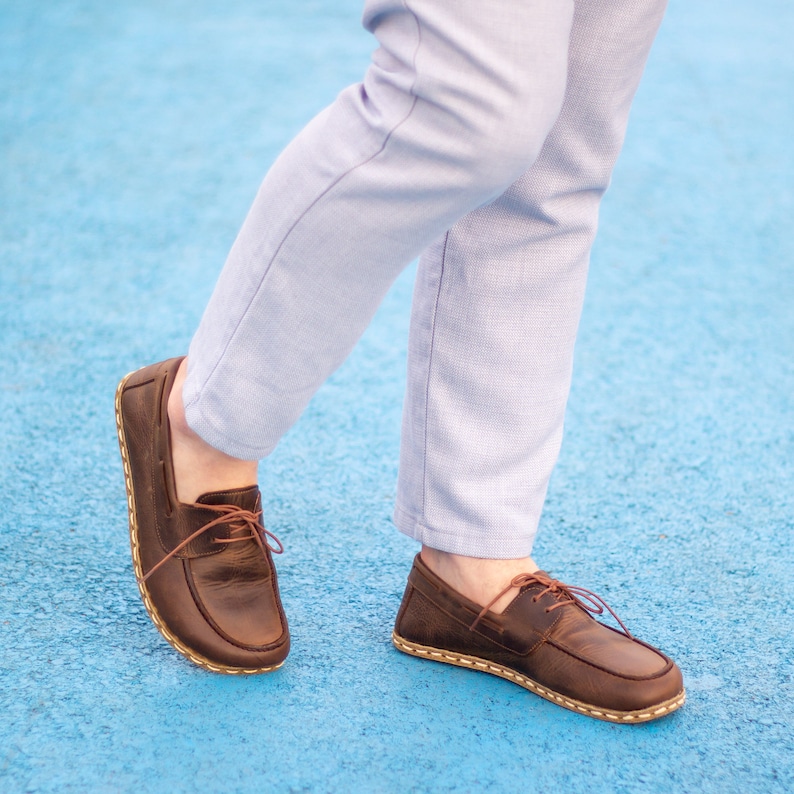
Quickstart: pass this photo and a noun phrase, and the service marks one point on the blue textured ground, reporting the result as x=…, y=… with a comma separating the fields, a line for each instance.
x=133, y=137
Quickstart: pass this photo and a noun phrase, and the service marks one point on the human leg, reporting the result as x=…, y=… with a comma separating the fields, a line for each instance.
x=496, y=309
x=453, y=109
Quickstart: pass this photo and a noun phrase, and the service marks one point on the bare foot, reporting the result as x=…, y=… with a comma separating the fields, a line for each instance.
x=198, y=467
x=478, y=579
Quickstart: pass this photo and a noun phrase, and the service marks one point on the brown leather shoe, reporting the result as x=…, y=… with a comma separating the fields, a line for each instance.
x=546, y=641
x=205, y=571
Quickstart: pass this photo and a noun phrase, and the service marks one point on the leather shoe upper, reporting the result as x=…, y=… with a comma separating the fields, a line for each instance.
x=205, y=570
x=544, y=634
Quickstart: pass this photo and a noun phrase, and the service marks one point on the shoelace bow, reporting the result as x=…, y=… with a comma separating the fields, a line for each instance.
x=564, y=593
x=240, y=519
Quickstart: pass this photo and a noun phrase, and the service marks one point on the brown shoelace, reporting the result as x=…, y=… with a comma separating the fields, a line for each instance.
x=240, y=519
x=564, y=593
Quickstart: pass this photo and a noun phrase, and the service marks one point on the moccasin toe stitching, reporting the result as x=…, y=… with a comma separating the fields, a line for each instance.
x=241, y=608
x=605, y=649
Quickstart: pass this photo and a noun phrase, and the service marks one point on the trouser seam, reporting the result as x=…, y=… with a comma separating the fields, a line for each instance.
x=429, y=373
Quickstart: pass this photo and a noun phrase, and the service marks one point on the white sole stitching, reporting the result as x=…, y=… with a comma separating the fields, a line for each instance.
x=460, y=660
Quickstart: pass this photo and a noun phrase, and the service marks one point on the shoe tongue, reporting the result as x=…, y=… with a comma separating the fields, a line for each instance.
x=247, y=498
x=540, y=584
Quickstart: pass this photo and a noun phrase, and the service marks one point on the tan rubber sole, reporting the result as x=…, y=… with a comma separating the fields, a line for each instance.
x=475, y=663
x=173, y=641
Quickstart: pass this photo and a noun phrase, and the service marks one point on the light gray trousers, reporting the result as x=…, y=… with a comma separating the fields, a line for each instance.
x=482, y=137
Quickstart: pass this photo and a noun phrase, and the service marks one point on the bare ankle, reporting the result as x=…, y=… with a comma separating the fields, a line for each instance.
x=176, y=409
x=198, y=467
x=479, y=579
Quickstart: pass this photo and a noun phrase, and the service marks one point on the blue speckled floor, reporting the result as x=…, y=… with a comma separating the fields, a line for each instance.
x=133, y=136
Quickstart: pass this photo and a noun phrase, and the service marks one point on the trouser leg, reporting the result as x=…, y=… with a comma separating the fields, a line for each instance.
x=496, y=310
x=455, y=106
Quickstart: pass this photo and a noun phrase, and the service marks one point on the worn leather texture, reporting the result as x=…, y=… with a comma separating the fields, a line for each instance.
x=216, y=602
x=563, y=649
